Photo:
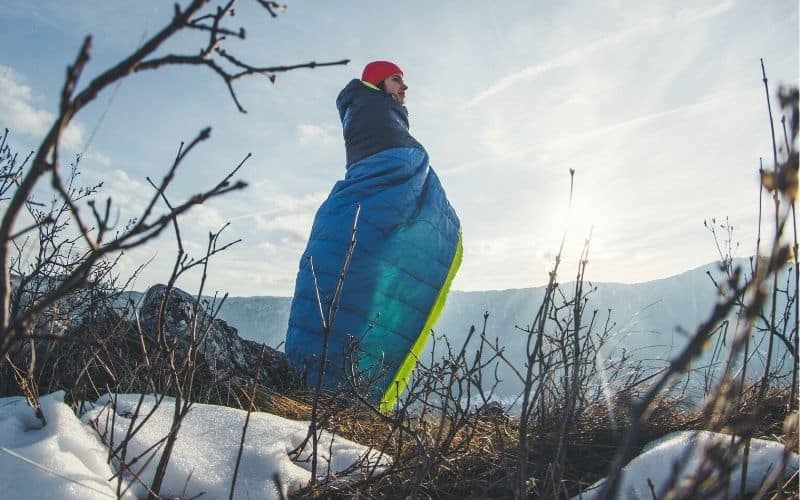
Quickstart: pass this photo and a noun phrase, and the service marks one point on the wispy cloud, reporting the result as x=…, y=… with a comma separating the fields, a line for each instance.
x=691, y=15
x=325, y=134
x=630, y=123
x=98, y=158
x=283, y=220
x=20, y=113
x=279, y=204
x=576, y=55
x=206, y=217
x=622, y=125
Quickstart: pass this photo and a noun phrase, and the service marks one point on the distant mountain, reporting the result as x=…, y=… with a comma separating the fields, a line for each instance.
x=650, y=319
x=642, y=312
x=261, y=319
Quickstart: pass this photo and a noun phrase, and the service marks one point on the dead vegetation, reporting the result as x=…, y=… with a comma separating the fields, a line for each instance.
x=448, y=435
x=569, y=427
x=483, y=462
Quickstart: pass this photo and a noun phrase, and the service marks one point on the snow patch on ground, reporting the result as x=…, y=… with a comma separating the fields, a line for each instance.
x=65, y=459
x=61, y=460
x=681, y=454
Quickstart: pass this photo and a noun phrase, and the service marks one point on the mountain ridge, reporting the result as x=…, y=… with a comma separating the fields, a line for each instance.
x=647, y=320
x=263, y=318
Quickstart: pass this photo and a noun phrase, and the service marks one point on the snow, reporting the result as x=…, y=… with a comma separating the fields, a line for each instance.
x=686, y=450
x=66, y=459
x=64, y=448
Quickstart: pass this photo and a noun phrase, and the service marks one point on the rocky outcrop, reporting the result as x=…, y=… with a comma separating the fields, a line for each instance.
x=222, y=352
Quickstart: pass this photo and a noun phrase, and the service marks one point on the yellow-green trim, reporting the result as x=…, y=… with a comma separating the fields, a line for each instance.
x=403, y=373
x=370, y=85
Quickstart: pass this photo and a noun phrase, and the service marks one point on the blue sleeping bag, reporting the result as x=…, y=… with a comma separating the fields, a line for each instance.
x=407, y=251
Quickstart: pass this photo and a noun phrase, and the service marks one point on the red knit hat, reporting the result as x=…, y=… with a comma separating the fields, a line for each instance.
x=378, y=71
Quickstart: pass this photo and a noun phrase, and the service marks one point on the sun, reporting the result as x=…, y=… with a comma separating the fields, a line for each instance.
x=586, y=218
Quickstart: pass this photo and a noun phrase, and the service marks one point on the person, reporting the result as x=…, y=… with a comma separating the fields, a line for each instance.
x=361, y=314
x=373, y=114
x=393, y=85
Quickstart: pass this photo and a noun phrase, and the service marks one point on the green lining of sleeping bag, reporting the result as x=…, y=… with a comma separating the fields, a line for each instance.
x=370, y=85
x=403, y=374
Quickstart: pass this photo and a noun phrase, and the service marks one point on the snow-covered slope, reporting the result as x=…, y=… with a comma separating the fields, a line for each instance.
x=65, y=459
x=684, y=458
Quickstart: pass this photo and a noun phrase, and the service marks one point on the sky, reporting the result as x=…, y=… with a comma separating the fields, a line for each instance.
x=658, y=107
x=66, y=459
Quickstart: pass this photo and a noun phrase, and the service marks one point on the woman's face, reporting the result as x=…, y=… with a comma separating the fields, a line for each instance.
x=396, y=87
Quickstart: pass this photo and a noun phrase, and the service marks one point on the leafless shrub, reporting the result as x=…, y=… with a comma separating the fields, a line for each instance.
x=749, y=296
x=581, y=410
x=448, y=435
x=96, y=232
x=67, y=294
x=449, y=411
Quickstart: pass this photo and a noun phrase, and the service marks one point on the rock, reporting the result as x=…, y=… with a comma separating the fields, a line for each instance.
x=221, y=351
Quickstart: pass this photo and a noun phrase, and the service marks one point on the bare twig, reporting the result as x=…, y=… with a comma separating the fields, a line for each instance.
x=250, y=409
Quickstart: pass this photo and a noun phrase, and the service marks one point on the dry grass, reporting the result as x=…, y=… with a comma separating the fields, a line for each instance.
x=485, y=466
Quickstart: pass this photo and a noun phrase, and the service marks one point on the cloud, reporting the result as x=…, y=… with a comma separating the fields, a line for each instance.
x=277, y=205
x=576, y=55
x=268, y=247
x=294, y=228
x=288, y=203
x=21, y=114
x=504, y=152
x=691, y=15
x=622, y=125
x=205, y=217
x=325, y=134
x=284, y=220
x=128, y=195
x=98, y=158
